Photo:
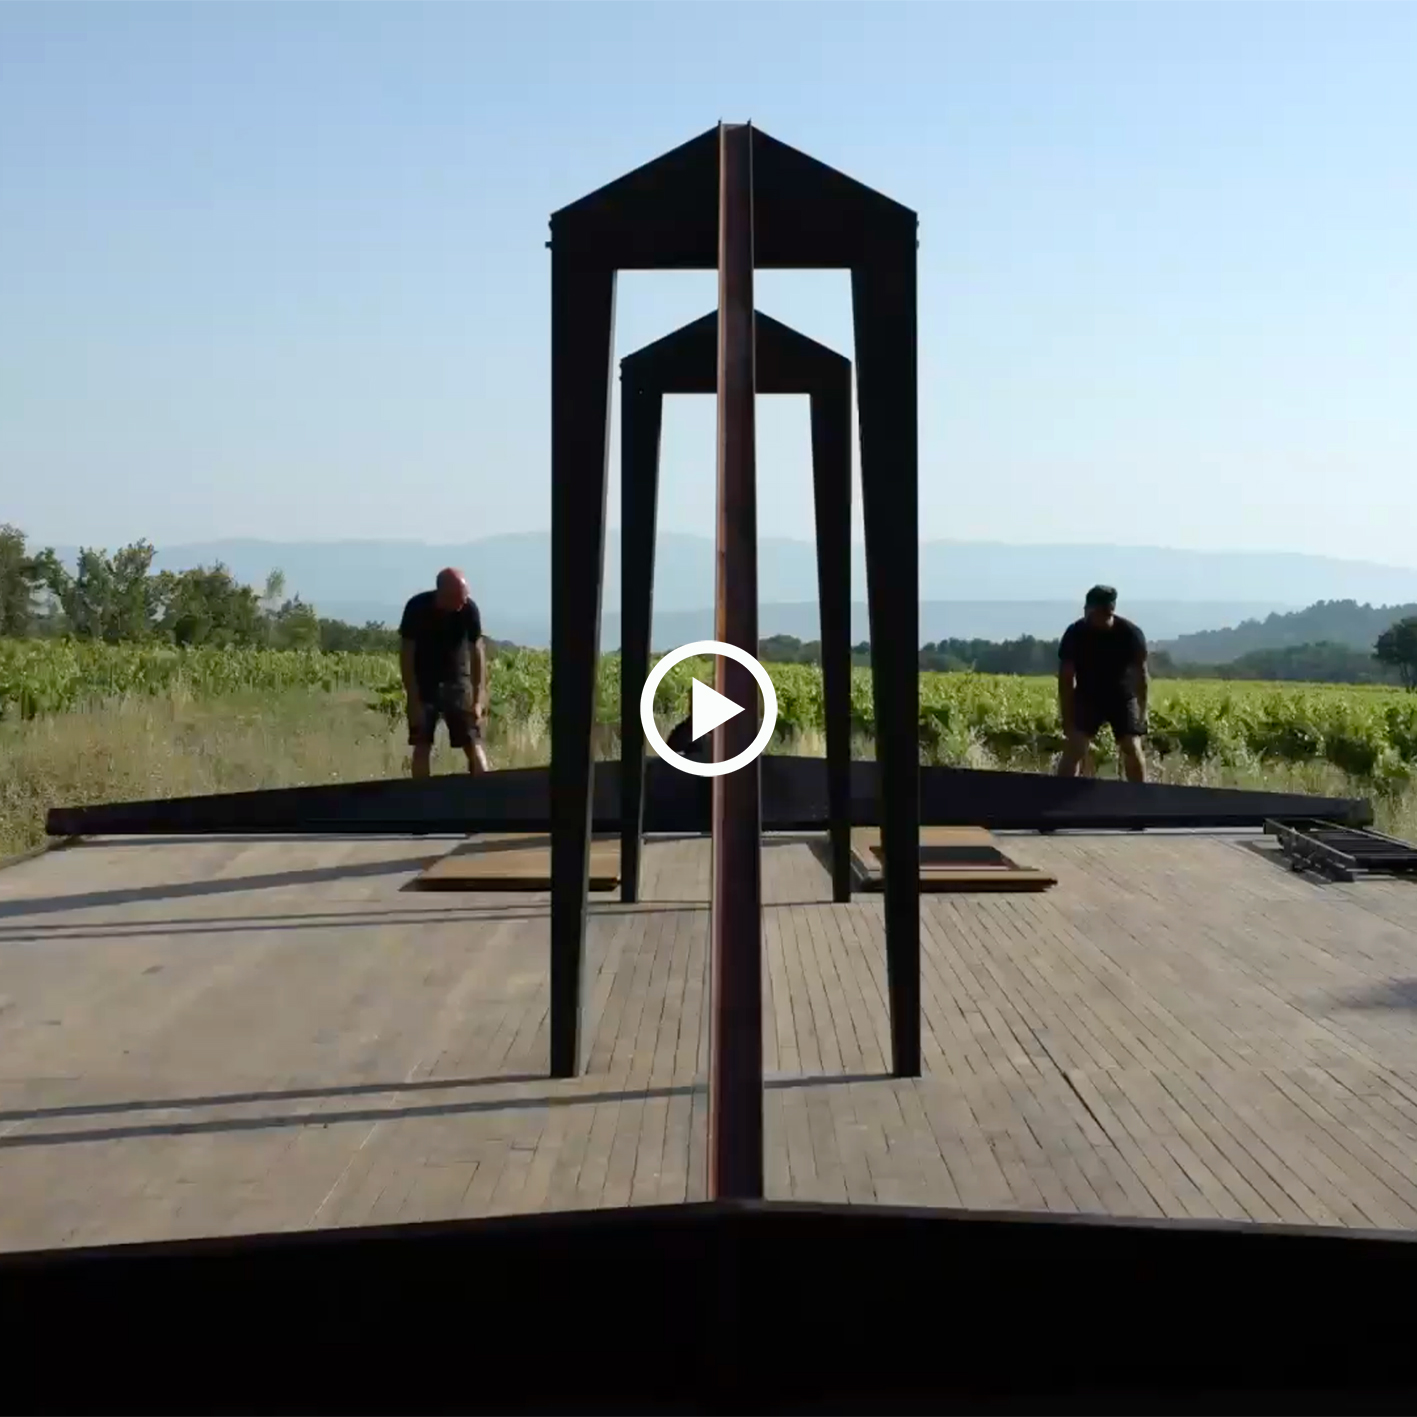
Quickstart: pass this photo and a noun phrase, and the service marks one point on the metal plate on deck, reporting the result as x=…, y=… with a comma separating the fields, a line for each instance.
x=951, y=859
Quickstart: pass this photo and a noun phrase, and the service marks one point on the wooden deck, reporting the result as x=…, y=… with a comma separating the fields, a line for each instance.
x=213, y=1036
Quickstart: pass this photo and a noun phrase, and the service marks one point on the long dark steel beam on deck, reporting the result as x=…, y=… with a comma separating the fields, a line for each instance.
x=795, y=797
x=735, y=1114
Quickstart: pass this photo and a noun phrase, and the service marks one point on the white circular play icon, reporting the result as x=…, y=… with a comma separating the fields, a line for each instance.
x=709, y=708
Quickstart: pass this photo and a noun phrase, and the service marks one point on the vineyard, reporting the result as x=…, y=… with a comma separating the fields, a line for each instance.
x=1369, y=733
x=38, y=678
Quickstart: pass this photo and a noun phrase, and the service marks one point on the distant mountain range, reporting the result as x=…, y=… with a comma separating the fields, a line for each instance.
x=968, y=589
x=1333, y=622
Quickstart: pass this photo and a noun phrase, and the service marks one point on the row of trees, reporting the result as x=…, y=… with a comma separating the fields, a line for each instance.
x=119, y=598
x=1393, y=659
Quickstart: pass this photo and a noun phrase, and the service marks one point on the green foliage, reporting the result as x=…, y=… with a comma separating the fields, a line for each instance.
x=1397, y=646
x=1370, y=733
x=21, y=582
x=45, y=677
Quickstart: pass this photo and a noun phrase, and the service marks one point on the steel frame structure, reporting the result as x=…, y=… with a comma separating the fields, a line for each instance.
x=665, y=216
x=787, y=363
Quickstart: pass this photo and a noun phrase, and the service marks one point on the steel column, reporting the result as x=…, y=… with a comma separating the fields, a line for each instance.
x=831, y=484
x=735, y=1120
x=883, y=308
x=641, y=415
x=582, y=342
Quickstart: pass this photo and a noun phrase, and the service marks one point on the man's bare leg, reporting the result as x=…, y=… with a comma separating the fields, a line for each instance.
x=1075, y=749
x=1133, y=763
x=477, y=763
x=421, y=764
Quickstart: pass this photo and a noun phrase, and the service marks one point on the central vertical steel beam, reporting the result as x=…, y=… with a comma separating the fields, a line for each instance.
x=735, y=1120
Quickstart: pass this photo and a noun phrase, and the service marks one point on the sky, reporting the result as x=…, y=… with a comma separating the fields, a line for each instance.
x=279, y=270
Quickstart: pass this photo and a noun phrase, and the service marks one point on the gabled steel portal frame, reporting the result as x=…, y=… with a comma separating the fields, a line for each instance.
x=664, y=216
x=685, y=363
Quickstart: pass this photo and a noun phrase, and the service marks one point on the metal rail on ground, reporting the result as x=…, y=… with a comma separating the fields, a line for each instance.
x=1341, y=852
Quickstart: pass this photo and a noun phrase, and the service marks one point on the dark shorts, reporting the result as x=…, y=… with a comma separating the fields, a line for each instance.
x=456, y=711
x=1123, y=715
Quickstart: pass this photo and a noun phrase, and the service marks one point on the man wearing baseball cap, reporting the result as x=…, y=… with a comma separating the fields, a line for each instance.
x=1103, y=678
x=444, y=665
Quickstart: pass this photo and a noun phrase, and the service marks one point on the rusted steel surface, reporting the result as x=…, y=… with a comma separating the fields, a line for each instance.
x=735, y=1120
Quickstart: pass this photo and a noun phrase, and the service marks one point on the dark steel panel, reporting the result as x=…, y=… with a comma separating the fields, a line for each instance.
x=664, y=215
x=1145, y=1316
x=582, y=344
x=735, y=1093
x=883, y=305
x=640, y=418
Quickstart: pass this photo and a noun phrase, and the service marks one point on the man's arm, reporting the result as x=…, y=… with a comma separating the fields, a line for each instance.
x=478, y=654
x=1141, y=676
x=410, y=680
x=1066, y=692
x=479, y=677
x=1067, y=677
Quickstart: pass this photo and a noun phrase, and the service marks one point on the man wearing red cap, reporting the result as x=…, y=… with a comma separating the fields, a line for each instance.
x=444, y=666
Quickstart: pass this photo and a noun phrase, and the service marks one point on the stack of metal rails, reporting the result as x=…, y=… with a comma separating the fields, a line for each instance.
x=1342, y=853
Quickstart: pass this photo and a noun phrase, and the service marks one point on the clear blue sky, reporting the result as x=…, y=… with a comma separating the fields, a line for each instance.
x=279, y=270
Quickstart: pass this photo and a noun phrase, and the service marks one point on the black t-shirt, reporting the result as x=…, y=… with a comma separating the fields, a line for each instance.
x=1101, y=656
x=443, y=641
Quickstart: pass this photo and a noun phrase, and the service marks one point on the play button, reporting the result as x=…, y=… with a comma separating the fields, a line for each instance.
x=709, y=708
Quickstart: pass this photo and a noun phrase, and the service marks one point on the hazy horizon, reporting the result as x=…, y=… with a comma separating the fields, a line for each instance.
x=280, y=272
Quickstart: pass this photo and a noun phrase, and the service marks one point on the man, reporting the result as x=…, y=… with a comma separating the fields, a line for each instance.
x=444, y=665
x=1103, y=678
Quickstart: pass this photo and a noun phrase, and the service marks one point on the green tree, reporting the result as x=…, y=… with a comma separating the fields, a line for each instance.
x=295, y=626
x=21, y=580
x=208, y=606
x=1397, y=646
x=107, y=598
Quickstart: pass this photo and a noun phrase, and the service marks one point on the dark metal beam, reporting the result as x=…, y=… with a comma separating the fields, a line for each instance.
x=735, y=1094
x=794, y=798
x=582, y=343
x=798, y=1294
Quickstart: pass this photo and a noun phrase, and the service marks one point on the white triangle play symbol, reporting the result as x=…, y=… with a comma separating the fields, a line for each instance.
x=709, y=709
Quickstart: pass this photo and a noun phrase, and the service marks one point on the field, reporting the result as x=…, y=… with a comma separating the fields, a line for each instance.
x=87, y=722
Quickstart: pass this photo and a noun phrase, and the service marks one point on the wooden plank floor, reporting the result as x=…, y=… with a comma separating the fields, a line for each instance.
x=215, y=1036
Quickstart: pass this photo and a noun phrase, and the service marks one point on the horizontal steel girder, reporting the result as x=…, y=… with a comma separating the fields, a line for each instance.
x=794, y=798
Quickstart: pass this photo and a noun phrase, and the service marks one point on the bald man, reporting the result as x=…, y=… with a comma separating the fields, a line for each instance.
x=444, y=665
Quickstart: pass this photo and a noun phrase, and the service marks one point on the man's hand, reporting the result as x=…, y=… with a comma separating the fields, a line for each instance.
x=415, y=711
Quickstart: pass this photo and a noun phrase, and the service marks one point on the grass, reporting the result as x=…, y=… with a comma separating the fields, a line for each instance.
x=175, y=744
